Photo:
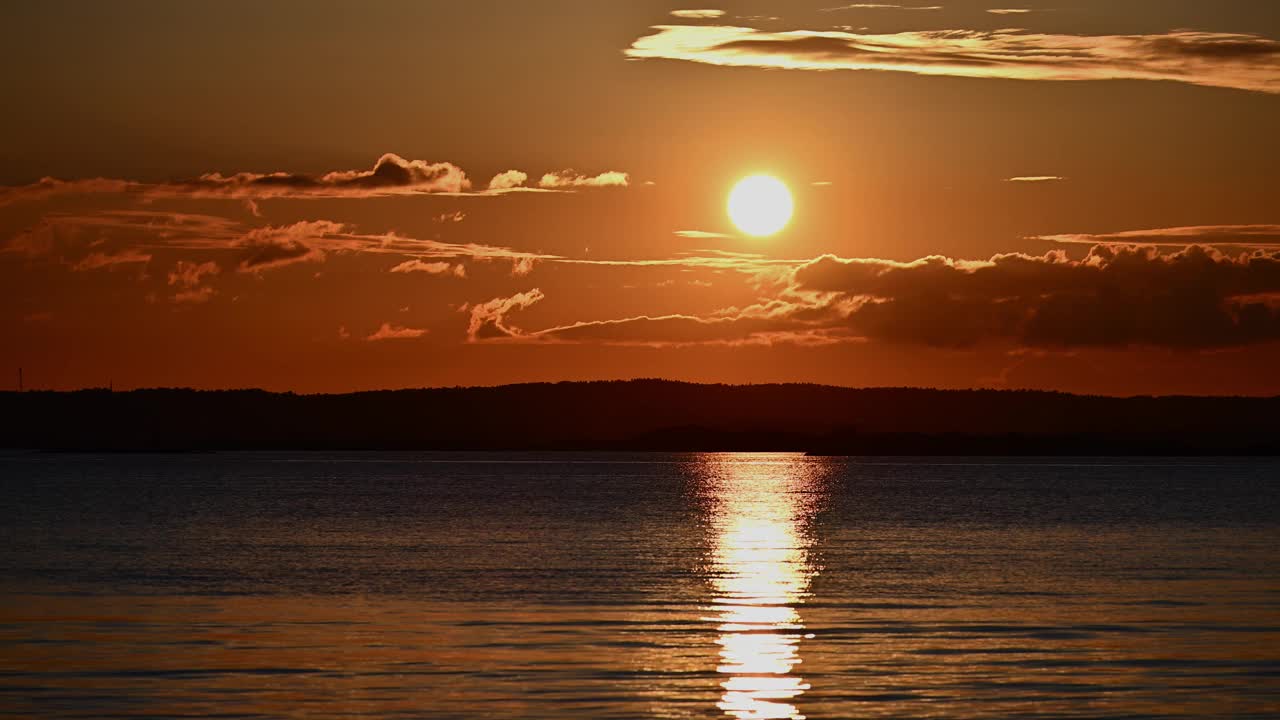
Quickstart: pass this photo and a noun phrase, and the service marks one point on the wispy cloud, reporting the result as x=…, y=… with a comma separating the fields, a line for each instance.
x=188, y=274
x=188, y=280
x=395, y=332
x=881, y=6
x=431, y=268
x=1245, y=236
x=697, y=14
x=111, y=261
x=701, y=235
x=489, y=319
x=68, y=238
x=1231, y=60
x=1009, y=11
x=1034, y=178
x=52, y=187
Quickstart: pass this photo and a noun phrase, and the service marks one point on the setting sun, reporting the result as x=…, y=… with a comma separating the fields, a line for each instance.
x=760, y=205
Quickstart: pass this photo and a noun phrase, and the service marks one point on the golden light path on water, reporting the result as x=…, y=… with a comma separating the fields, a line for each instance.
x=760, y=509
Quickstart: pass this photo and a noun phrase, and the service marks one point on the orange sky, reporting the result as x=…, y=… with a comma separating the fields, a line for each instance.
x=326, y=196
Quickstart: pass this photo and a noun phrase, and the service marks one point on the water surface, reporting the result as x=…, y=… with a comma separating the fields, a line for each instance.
x=667, y=586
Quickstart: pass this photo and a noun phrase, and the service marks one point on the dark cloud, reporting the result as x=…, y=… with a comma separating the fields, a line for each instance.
x=1115, y=296
x=391, y=175
x=1197, y=298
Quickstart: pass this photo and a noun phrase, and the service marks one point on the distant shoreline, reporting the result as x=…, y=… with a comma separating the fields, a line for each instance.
x=646, y=415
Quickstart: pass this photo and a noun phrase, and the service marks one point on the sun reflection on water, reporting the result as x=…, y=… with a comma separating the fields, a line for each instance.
x=760, y=507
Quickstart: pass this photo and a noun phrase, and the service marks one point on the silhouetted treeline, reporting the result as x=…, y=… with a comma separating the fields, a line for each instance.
x=645, y=415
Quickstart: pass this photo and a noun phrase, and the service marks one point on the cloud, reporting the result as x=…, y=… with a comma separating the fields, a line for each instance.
x=1195, y=299
x=169, y=227
x=697, y=14
x=488, y=320
x=1034, y=178
x=394, y=332
x=432, y=268
x=508, y=180
x=1116, y=296
x=272, y=247
x=881, y=6
x=101, y=240
x=570, y=179
x=701, y=235
x=187, y=277
x=49, y=187
x=194, y=296
x=522, y=266
x=1230, y=60
x=67, y=238
x=1009, y=11
x=685, y=330
x=111, y=261
x=188, y=274
x=1249, y=236
x=391, y=175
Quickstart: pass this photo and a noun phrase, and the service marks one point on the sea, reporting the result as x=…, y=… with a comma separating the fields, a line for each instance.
x=571, y=585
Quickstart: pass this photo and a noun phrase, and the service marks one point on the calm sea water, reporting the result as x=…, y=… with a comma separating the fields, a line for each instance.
x=620, y=586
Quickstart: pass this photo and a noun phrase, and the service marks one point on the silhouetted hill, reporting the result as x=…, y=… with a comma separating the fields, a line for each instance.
x=644, y=415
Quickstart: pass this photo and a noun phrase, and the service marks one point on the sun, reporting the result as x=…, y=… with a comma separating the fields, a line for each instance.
x=760, y=205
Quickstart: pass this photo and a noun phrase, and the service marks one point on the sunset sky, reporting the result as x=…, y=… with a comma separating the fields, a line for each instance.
x=1078, y=195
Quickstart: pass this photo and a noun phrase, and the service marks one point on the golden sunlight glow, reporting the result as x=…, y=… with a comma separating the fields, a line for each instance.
x=760, y=508
x=760, y=205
